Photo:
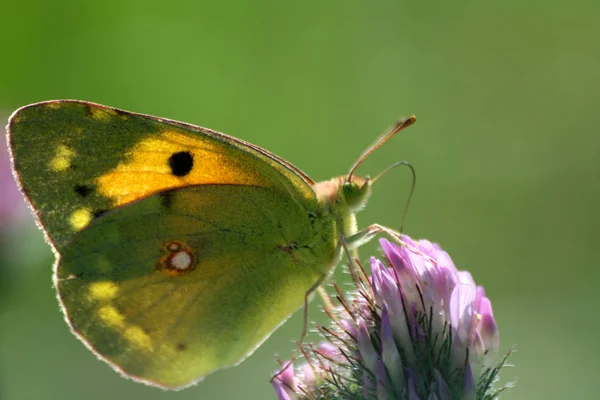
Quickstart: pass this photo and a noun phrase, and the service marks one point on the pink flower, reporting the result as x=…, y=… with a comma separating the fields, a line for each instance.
x=417, y=328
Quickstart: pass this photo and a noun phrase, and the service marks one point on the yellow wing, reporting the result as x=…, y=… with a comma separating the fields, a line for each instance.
x=172, y=287
x=180, y=248
x=77, y=160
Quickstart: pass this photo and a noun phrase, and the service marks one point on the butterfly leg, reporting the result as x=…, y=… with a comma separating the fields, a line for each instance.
x=367, y=234
x=348, y=245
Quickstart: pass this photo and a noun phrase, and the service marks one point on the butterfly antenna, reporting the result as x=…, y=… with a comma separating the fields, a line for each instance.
x=412, y=186
x=403, y=123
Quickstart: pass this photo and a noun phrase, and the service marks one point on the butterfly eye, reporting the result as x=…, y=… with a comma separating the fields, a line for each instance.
x=356, y=192
x=349, y=189
x=351, y=192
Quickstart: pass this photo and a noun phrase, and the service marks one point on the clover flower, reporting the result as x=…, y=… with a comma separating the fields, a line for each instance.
x=417, y=328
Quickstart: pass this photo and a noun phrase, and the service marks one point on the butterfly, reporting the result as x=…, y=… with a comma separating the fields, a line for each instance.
x=179, y=249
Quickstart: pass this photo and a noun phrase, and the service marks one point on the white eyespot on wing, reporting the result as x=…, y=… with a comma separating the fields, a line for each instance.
x=181, y=260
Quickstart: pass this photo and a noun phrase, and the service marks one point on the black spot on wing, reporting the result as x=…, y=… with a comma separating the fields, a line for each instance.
x=181, y=163
x=181, y=346
x=83, y=190
x=99, y=213
x=166, y=199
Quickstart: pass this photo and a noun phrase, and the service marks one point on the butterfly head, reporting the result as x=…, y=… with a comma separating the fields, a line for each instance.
x=351, y=193
x=355, y=192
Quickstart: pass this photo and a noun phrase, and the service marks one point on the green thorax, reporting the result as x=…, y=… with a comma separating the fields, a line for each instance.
x=343, y=199
x=339, y=201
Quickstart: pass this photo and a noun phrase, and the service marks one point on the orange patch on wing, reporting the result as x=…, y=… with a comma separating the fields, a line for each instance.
x=147, y=170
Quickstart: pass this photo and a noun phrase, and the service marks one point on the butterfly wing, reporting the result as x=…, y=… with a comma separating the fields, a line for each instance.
x=77, y=160
x=178, y=284
x=180, y=248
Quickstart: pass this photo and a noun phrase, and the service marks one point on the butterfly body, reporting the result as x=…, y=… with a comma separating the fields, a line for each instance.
x=179, y=249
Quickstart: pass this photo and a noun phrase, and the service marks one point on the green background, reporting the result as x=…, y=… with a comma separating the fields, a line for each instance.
x=506, y=150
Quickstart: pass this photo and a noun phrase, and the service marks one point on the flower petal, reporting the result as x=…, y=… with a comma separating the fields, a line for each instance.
x=390, y=354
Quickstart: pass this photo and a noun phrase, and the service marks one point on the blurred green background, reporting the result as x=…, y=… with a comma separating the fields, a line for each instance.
x=506, y=150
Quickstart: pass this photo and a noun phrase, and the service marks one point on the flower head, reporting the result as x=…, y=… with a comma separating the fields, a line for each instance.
x=417, y=328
